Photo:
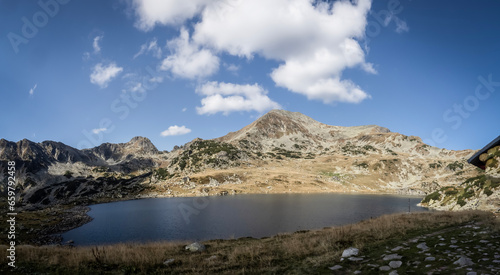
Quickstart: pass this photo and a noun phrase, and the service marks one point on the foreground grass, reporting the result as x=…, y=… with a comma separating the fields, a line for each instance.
x=295, y=253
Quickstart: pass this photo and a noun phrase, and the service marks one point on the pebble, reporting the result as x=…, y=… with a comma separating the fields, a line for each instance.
x=395, y=264
x=385, y=268
x=463, y=261
x=392, y=257
x=430, y=259
x=396, y=248
x=394, y=272
x=336, y=267
x=422, y=246
x=168, y=262
x=355, y=259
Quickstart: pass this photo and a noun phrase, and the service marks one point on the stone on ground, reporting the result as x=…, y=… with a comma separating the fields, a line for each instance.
x=351, y=251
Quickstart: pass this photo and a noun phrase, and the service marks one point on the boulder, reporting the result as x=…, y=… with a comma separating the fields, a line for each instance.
x=196, y=247
x=395, y=264
x=351, y=251
x=463, y=261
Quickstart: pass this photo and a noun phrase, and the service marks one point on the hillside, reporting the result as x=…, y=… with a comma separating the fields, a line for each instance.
x=480, y=192
x=280, y=152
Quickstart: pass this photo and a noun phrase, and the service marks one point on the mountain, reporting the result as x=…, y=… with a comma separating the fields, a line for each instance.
x=281, y=152
x=52, y=172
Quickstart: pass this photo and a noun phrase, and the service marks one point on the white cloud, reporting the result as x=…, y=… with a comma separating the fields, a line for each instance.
x=175, y=131
x=171, y=12
x=151, y=47
x=99, y=130
x=32, y=90
x=227, y=97
x=95, y=44
x=314, y=41
x=188, y=60
x=102, y=74
x=232, y=68
x=184, y=109
x=156, y=79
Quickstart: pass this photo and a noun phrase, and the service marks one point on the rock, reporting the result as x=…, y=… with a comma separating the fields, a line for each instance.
x=168, y=262
x=351, y=251
x=394, y=272
x=336, y=267
x=463, y=261
x=422, y=246
x=471, y=273
x=355, y=259
x=396, y=248
x=392, y=257
x=196, y=247
x=211, y=258
x=385, y=268
x=430, y=259
x=395, y=264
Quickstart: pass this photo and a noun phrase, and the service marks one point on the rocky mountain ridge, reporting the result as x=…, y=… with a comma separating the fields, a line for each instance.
x=281, y=152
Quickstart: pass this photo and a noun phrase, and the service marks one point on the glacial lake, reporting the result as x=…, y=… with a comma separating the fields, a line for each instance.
x=225, y=217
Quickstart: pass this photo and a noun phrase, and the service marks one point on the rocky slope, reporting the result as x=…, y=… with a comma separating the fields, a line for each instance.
x=279, y=152
x=51, y=172
x=480, y=192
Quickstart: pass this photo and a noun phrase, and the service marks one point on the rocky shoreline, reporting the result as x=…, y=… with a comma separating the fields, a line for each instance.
x=70, y=219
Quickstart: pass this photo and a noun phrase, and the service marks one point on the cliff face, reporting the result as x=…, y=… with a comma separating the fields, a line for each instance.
x=279, y=152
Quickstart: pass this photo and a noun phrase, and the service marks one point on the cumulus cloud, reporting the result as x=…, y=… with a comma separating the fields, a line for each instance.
x=188, y=60
x=32, y=90
x=175, y=131
x=172, y=12
x=95, y=44
x=227, y=97
x=99, y=130
x=314, y=41
x=102, y=74
x=150, y=47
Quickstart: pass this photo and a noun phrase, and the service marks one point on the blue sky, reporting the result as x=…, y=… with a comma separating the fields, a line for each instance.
x=87, y=72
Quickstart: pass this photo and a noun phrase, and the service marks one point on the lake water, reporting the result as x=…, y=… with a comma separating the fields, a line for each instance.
x=227, y=217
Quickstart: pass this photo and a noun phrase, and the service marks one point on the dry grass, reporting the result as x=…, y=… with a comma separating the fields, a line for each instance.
x=295, y=253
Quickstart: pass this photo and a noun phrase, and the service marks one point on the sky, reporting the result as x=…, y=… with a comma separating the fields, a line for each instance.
x=88, y=72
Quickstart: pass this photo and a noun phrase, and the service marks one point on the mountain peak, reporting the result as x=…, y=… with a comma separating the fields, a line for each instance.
x=142, y=145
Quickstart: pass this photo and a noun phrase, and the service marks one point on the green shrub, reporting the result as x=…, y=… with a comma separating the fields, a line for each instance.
x=434, y=165
x=362, y=165
x=163, y=174
x=433, y=196
x=68, y=174
x=451, y=192
x=455, y=165
x=461, y=202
